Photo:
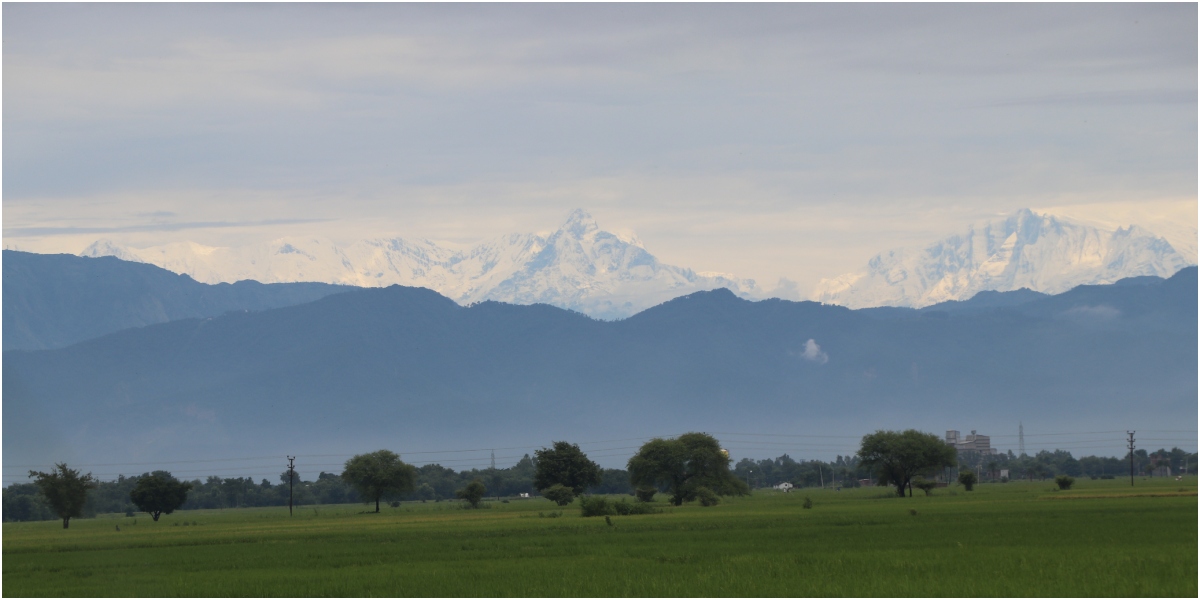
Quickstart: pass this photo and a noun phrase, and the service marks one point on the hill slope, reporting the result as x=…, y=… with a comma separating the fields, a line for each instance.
x=54, y=300
x=375, y=367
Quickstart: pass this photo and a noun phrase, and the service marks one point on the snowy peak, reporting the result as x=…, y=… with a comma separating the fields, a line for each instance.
x=579, y=225
x=579, y=266
x=1041, y=252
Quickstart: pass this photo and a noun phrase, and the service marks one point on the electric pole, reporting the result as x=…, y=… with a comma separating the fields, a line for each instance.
x=493, y=460
x=1021, y=438
x=1130, y=456
x=291, y=479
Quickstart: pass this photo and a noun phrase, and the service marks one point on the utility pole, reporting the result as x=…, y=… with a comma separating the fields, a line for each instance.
x=291, y=479
x=493, y=460
x=1021, y=438
x=1130, y=456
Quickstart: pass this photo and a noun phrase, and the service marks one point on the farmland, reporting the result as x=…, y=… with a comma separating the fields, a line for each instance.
x=1101, y=538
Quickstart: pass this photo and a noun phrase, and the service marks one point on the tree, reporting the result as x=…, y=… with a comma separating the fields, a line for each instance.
x=159, y=493
x=1064, y=482
x=684, y=465
x=65, y=490
x=925, y=485
x=472, y=493
x=898, y=456
x=968, y=479
x=559, y=494
x=565, y=464
x=378, y=474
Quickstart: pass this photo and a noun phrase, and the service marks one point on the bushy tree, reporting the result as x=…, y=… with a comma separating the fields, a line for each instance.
x=378, y=474
x=65, y=490
x=707, y=497
x=595, y=506
x=684, y=465
x=472, y=493
x=159, y=493
x=559, y=494
x=968, y=478
x=898, y=456
x=1064, y=482
x=565, y=464
x=925, y=485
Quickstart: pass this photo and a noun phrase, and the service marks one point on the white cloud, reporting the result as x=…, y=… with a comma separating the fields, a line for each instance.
x=813, y=352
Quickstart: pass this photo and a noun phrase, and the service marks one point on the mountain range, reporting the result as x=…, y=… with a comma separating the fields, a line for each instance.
x=1039, y=252
x=407, y=367
x=579, y=267
x=584, y=268
x=55, y=300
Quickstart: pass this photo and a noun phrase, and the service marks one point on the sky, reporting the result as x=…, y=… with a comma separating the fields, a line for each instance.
x=765, y=141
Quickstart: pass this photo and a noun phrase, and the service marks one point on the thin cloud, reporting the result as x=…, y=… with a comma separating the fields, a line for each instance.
x=153, y=227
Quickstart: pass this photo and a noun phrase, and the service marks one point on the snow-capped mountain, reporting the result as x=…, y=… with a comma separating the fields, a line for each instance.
x=1041, y=252
x=580, y=267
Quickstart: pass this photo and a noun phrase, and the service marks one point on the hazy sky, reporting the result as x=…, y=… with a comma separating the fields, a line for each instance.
x=760, y=140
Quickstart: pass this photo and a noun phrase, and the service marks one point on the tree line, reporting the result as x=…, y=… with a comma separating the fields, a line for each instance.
x=688, y=468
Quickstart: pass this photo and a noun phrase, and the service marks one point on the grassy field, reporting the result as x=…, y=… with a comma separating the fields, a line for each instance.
x=1017, y=539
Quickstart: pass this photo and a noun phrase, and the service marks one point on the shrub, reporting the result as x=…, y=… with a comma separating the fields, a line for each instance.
x=968, y=479
x=559, y=494
x=808, y=501
x=924, y=485
x=646, y=494
x=472, y=493
x=395, y=504
x=707, y=497
x=594, y=506
x=624, y=508
x=1064, y=481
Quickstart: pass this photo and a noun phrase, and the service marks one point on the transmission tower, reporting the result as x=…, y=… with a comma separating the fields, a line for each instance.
x=1021, y=437
x=493, y=459
x=1131, y=447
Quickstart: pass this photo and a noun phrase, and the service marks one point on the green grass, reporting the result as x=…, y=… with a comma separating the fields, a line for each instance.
x=1015, y=539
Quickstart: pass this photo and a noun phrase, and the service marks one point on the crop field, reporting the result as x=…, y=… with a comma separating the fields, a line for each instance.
x=1102, y=538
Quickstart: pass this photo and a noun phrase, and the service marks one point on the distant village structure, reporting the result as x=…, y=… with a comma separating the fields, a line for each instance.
x=978, y=443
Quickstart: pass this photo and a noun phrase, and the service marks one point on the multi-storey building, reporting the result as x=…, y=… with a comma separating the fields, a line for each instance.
x=978, y=443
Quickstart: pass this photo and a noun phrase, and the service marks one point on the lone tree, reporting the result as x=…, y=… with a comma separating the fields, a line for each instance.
x=684, y=465
x=925, y=485
x=566, y=465
x=898, y=456
x=65, y=490
x=473, y=493
x=968, y=478
x=559, y=494
x=159, y=493
x=378, y=474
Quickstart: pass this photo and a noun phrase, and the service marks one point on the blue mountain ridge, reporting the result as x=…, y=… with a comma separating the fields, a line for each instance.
x=408, y=368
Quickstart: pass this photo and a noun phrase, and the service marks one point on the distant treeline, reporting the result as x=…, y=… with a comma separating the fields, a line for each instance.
x=435, y=483
x=846, y=471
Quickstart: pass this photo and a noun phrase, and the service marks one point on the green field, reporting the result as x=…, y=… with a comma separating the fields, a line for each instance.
x=1102, y=538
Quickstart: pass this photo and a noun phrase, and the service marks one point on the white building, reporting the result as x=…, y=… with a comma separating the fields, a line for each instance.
x=978, y=443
